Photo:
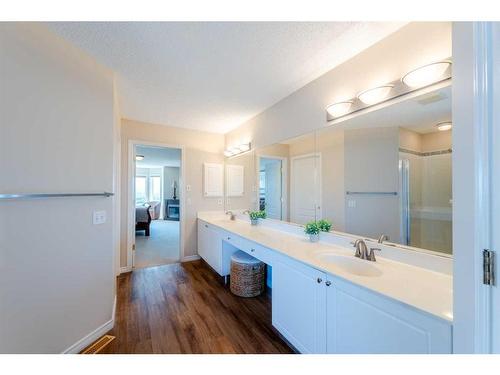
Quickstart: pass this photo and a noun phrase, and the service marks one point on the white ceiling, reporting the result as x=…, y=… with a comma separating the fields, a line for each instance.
x=155, y=157
x=214, y=76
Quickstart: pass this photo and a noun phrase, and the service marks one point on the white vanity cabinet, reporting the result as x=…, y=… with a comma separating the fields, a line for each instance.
x=210, y=245
x=299, y=305
x=364, y=322
x=319, y=313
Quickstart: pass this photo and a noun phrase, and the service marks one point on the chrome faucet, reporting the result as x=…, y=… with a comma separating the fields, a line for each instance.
x=382, y=238
x=361, y=249
x=233, y=215
x=371, y=256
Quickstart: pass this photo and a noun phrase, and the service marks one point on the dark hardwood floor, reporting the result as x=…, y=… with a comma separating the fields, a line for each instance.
x=185, y=308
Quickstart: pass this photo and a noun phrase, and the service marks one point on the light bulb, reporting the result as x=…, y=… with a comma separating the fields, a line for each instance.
x=339, y=109
x=426, y=75
x=375, y=95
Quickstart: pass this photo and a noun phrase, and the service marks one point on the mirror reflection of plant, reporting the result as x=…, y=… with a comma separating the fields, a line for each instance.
x=324, y=225
x=312, y=228
x=254, y=215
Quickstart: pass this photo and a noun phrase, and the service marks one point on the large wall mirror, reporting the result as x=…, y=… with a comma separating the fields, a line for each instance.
x=383, y=172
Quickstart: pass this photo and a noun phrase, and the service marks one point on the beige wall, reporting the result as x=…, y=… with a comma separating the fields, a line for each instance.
x=304, y=111
x=199, y=147
x=249, y=198
x=56, y=135
x=436, y=141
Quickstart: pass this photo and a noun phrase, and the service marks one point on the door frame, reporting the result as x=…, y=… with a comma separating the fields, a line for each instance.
x=132, y=143
x=317, y=182
x=284, y=181
x=473, y=115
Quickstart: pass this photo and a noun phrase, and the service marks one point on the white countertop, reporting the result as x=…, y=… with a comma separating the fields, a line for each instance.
x=421, y=288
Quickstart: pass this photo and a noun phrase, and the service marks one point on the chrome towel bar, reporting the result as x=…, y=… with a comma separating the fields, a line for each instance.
x=54, y=195
x=371, y=193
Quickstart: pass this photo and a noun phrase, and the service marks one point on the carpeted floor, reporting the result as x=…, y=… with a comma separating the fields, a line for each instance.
x=161, y=247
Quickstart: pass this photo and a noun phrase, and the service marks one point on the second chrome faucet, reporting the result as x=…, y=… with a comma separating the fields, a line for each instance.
x=362, y=251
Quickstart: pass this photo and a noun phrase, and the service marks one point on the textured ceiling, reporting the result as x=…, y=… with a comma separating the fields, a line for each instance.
x=214, y=76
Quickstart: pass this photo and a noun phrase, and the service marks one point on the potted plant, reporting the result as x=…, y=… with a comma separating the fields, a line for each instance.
x=324, y=225
x=312, y=229
x=256, y=215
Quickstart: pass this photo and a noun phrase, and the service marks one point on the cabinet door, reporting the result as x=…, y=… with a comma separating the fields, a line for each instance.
x=299, y=305
x=210, y=245
x=213, y=180
x=360, y=321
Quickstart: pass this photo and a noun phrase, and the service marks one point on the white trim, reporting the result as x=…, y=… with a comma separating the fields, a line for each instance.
x=81, y=344
x=483, y=96
x=131, y=196
x=284, y=182
x=190, y=258
x=125, y=269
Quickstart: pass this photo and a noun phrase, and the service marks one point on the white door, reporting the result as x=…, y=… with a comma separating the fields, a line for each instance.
x=299, y=306
x=305, y=183
x=273, y=189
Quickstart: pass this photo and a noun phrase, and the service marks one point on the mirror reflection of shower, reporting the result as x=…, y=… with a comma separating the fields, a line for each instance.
x=426, y=192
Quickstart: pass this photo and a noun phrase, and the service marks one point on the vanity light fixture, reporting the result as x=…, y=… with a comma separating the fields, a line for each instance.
x=339, y=109
x=443, y=126
x=417, y=79
x=236, y=150
x=375, y=95
x=139, y=157
x=426, y=75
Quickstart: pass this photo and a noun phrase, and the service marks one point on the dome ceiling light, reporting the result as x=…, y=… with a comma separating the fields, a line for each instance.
x=426, y=75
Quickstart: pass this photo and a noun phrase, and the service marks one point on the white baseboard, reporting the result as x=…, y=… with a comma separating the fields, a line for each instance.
x=190, y=258
x=125, y=269
x=92, y=336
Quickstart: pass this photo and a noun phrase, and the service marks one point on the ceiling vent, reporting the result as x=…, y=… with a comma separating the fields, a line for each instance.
x=432, y=97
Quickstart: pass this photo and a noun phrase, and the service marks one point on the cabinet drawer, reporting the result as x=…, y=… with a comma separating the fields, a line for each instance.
x=261, y=253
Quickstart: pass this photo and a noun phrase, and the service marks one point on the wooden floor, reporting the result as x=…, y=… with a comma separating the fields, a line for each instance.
x=185, y=308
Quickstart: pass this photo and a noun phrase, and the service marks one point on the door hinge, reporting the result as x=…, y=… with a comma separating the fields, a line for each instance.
x=488, y=267
x=133, y=247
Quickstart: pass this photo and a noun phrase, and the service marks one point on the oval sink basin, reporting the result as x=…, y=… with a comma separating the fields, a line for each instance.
x=352, y=265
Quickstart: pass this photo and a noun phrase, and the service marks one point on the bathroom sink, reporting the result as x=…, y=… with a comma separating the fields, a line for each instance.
x=351, y=264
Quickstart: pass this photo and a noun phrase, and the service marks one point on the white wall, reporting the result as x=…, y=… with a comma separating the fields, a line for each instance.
x=56, y=135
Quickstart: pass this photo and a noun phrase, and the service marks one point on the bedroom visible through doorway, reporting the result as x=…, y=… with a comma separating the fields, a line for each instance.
x=157, y=205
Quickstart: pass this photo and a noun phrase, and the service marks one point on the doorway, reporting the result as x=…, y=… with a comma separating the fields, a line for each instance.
x=155, y=205
x=272, y=186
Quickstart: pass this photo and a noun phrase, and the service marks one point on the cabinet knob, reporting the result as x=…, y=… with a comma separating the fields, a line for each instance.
x=228, y=238
x=206, y=226
x=252, y=250
x=319, y=280
x=328, y=283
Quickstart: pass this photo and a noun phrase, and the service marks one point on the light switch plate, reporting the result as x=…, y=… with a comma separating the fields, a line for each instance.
x=219, y=201
x=99, y=217
x=188, y=187
x=351, y=203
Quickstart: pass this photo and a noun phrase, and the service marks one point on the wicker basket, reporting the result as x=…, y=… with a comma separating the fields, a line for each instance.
x=248, y=275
